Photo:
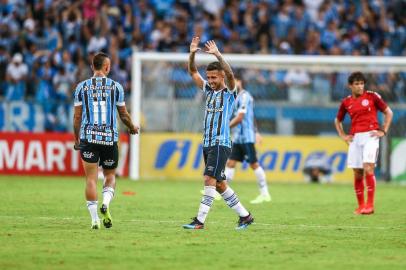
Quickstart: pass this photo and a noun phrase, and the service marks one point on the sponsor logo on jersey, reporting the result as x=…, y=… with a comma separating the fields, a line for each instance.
x=365, y=102
x=214, y=109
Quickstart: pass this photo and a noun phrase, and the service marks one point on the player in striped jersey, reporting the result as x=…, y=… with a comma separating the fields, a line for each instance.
x=244, y=137
x=216, y=138
x=96, y=133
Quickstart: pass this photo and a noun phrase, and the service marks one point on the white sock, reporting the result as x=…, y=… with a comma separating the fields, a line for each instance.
x=206, y=203
x=92, y=206
x=234, y=203
x=229, y=172
x=108, y=194
x=261, y=180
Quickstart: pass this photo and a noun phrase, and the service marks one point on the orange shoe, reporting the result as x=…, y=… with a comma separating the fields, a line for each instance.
x=359, y=210
x=368, y=210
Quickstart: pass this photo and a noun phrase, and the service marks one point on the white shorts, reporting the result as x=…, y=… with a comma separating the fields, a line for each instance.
x=363, y=149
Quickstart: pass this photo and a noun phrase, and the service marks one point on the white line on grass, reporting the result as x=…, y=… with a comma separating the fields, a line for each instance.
x=337, y=227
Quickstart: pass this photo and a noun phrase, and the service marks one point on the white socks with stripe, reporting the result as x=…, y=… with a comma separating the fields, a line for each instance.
x=234, y=203
x=206, y=203
x=108, y=194
x=261, y=180
x=92, y=206
x=229, y=172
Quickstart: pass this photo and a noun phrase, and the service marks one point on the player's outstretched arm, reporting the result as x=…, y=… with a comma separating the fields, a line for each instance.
x=212, y=49
x=197, y=78
x=126, y=118
x=77, y=121
x=340, y=130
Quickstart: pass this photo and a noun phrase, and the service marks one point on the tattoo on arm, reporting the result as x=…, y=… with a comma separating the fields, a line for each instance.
x=192, y=66
x=126, y=118
x=227, y=69
x=77, y=121
x=76, y=128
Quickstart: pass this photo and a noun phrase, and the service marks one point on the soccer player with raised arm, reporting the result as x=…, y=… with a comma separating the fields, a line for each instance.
x=363, y=139
x=220, y=98
x=244, y=137
x=96, y=133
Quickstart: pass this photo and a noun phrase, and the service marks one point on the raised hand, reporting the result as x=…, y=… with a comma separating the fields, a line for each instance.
x=212, y=47
x=194, y=45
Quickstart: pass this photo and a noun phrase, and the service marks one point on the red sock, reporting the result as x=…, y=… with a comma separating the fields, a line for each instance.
x=359, y=190
x=370, y=180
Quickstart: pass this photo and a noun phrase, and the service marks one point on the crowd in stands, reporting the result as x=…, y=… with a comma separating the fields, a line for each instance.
x=46, y=45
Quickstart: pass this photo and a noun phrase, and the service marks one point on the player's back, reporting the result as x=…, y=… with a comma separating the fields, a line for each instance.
x=99, y=97
x=244, y=132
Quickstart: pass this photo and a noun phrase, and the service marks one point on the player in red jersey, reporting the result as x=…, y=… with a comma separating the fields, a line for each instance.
x=363, y=139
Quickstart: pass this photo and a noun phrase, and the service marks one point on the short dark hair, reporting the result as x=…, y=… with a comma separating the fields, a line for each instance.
x=214, y=66
x=98, y=60
x=356, y=77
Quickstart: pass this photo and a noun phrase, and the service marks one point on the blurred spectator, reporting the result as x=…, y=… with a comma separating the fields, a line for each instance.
x=4, y=59
x=16, y=75
x=321, y=88
x=213, y=7
x=298, y=82
x=282, y=23
x=65, y=31
x=63, y=83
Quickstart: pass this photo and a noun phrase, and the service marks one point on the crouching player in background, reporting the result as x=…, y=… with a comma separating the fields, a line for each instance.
x=96, y=133
x=363, y=139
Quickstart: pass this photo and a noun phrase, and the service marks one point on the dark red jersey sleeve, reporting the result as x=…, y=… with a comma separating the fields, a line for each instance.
x=379, y=103
x=341, y=112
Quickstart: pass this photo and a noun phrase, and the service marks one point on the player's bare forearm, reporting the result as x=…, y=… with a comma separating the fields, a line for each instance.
x=339, y=127
x=194, y=72
x=256, y=125
x=192, y=66
x=236, y=120
x=387, y=119
x=77, y=121
x=227, y=70
x=76, y=128
x=340, y=130
x=126, y=119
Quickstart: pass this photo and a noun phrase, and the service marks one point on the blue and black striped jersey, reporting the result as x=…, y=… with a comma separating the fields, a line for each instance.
x=219, y=107
x=99, y=97
x=244, y=132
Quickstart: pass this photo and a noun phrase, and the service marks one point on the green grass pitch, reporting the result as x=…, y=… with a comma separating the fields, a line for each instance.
x=45, y=225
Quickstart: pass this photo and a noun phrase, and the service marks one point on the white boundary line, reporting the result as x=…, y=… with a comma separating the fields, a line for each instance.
x=180, y=222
